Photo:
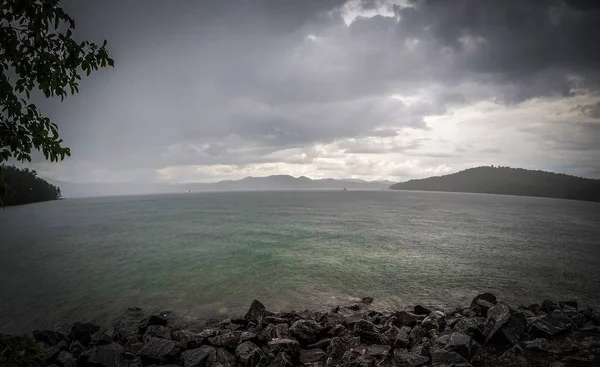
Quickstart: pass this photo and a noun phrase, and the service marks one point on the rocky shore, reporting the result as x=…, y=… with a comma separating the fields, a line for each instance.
x=488, y=332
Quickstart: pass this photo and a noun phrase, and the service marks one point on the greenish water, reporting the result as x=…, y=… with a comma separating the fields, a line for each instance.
x=202, y=255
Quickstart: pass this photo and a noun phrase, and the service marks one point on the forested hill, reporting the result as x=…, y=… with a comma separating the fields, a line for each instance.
x=509, y=181
x=24, y=187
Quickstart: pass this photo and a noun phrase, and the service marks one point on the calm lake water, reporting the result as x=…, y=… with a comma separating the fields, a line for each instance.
x=208, y=254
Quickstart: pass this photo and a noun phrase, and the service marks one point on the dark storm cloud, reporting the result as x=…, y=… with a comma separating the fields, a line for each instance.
x=233, y=82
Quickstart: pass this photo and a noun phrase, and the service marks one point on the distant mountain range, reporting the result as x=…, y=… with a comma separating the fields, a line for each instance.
x=276, y=182
x=509, y=181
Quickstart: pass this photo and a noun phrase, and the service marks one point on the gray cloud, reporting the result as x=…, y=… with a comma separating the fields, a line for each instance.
x=241, y=83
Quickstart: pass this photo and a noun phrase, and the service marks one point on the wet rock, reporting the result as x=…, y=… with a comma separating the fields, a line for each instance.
x=336, y=349
x=227, y=340
x=76, y=348
x=274, y=320
x=488, y=297
x=321, y=344
x=307, y=331
x=338, y=330
x=367, y=332
x=353, y=318
x=469, y=326
x=310, y=357
x=576, y=317
x=290, y=346
x=187, y=339
x=378, y=351
x=403, y=358
x=444, y=358
x=160, y=319
x=248, y=336
x=225, y=359
x=207, y=333
x=416, y=335
x=421, y=349
x=82, y=332
x=503, y=325
x=389, y=336
x=132, y=348
x=65, y=359
x=249, y=354
x=403, y=337
x=431, y=322
x=110, y=355
x=481, y=307
x=367, y=300
x=549, y=306
x=536, y=344
x=105, y=335
x=50, y=337
x=159, y=351
x=256, y=312
x=548, y=326
x=421, y=310
x=202, y=356
x=457, y=342
x=282, y=360
x=282, y=331
x=405, y=319
x=332, y=319
x=267, y=333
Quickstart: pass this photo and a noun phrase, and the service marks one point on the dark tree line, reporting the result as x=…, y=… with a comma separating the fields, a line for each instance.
x=24, y=187
x=509, y=181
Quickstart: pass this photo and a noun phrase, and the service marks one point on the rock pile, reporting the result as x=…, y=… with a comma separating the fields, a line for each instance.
x=487, y=333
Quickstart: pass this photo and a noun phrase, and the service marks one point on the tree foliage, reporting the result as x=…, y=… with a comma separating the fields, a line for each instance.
x=509, y=181
x=26, y=187
x=38, y=52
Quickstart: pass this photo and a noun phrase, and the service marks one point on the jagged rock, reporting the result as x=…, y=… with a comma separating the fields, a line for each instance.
x=199, y=357
x=227, y=340
x=207, y=333
x=65, y=359
x=159, y=351
x=536, y=344
x=469, y=313
x=53, y=350
x=256, y=312
x=76, y=348
x=274, y=320
x=416, y=335
x=282, y=331
x=378, y=351
x=367, y=300
x=488, y=297
x=503, y=325
x=336, y=349
x=310, y=357
x=282, y=360
x=389, y=336
x=444, y=358
x=431, y=322
x=160, y=319
x=353, y=318
x=421, y=349
x=363, y=361
x=289, y=346
x=457, y=342
x=332, y=319
x=548, y=326
x=267, y=333
x=82, y=332
x=338, y=330
x=110, y=355
x=307, y=331
x=132, y=348
x=367, y=332
x=225, y=359
x=481, y=307
x=105, y=335
x=593, y=315
x=549, y=306
x=403, y=337
x=50, y=337
x=403, y=358
x=405, y=319
x=250, y=355
x=421, y=310
x=469, y=326
x=187, y=339
x=248, y=336
x=576, y=317
x=321, y=344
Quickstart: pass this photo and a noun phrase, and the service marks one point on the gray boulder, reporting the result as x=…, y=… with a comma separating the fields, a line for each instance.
x=281, y=360
x=311, y=357
x=199, y=357
x=307, y=331
x=110, y=355
x=444, y=358
x=187, y=339
x=159, y=351
x=290, y=346
x=368, y=332
x=249, y=355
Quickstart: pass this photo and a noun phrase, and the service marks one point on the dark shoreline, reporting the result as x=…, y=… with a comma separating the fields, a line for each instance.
x=488, y=332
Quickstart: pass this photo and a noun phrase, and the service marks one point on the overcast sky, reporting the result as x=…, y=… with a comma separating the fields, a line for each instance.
x=209, y=90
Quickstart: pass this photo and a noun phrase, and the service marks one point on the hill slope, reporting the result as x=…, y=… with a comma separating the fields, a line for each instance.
x=509, y=181
x=25, y=187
